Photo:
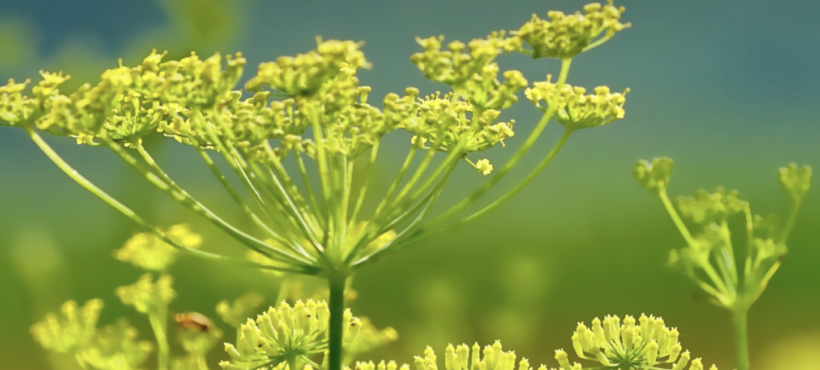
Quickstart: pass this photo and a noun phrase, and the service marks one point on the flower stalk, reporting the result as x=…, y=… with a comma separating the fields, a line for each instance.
x=709, y=258
x=312, y=108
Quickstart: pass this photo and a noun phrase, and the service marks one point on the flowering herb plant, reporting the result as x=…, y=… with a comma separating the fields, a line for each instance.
x=301, y=141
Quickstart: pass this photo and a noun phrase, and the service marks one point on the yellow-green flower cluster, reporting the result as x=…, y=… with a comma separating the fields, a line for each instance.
x=574, y=108
x=441, y=123
x=146, y=295
x=632, y=345
x=287, y=334
x=465, y=358
x=306, y=73
x=470, y=70
x=71, y=329
x=565, y=36
x=147, y=251
x=115, y=347
x=15, y=108
x=795, y=181
x=380, y=366
x=653, y=176
x=235, y=313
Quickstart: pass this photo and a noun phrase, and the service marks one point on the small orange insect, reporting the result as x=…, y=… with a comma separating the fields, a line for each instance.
x=193, y=321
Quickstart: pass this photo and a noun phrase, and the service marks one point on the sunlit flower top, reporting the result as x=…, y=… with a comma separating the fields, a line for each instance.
x=632, y=345
x=295, y=335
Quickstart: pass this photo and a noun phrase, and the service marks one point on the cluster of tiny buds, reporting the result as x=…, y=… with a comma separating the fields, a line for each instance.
x=565, y=36
x=286, y=332
x=464, y=358
x=574, y=108
x=642, y=344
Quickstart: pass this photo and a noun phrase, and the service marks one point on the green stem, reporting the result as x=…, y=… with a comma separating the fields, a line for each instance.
x=740, y=324
x=336, y=327
x=159, y=324
x=521, y=185
x=790, y=223
x=690, y=240
x=142, y=223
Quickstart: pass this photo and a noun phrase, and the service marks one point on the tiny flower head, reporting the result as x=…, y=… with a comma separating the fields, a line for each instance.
x=795, y=181
x=653, y=176
x=463, y=357
x=147, y=251
x=69, y=330
x=115, y=346
x=640, y=344
x=146, y=295
x=235, y=313
x=298, y=332
x=484, y=166
x=564, y=36
x=574, y=108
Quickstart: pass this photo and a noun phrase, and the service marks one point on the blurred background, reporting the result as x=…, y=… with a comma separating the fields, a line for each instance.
x=728, y=89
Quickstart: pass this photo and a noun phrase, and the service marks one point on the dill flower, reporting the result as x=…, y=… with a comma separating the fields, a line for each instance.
x=640, y=344
x=293, y=335
x=795, y=181
x=146, y=295
x=564, y=36
x=574, y=108
x=653, y=176
x=235, y=313
x=115, y=347
x=463, y=357
x=15, y=108
x=380, y=366
x=70, y=329
x=149, y=252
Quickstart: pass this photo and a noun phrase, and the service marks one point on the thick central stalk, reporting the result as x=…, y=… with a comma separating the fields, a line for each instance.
x=739, y=321
x=336, y=327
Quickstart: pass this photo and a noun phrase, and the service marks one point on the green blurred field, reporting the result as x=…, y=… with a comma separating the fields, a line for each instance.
x=729, y=93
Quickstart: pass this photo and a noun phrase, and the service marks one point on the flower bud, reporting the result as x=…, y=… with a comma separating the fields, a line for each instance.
x=795, y=182
x=653, y=176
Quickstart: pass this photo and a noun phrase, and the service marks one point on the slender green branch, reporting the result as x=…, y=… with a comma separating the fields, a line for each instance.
x=525, y=148
x=189, y=202
x=690, y=240
x=238, y=198
x=105, y=197
x=787, y=230
x=308, y=187
x=159, y=324
x=750, y=240
x=398, y=241
x=374, y=152
x=397, y=181
x=520, y=186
